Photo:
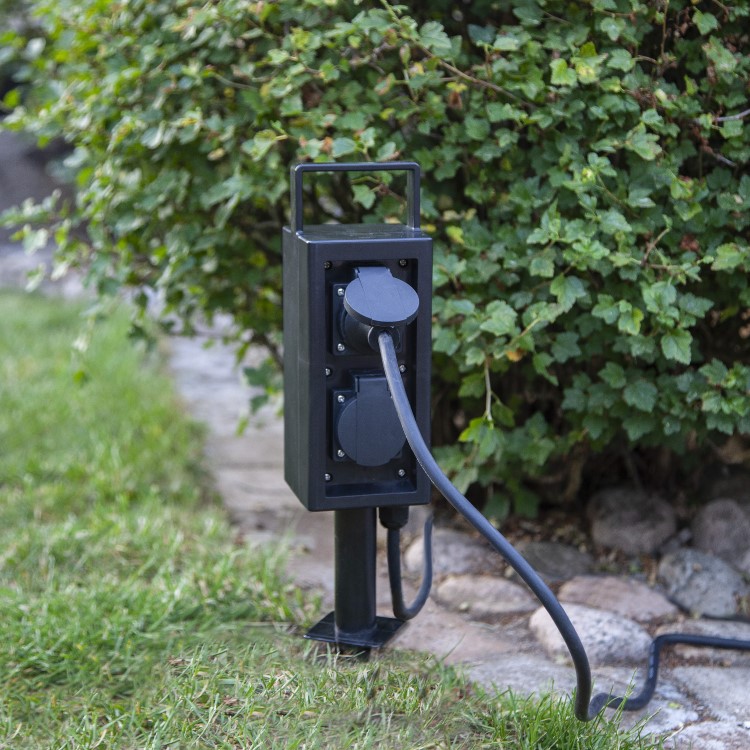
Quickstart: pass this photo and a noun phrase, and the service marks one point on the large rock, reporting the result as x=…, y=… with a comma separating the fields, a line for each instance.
x=702, y=584
x=484, y=597
x=722, y=528
x=555, y=561
x=454, y=552
x=631, y=521
x=607, y=638
x=626, y=597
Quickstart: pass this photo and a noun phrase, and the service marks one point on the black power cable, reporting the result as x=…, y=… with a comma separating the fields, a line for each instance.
x=394, y=519
x=585, y=707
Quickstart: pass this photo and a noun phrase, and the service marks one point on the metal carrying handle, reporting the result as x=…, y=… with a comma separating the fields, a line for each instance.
x=412, y=185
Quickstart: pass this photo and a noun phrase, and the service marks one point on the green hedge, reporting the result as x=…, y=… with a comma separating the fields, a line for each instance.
x=585, y=179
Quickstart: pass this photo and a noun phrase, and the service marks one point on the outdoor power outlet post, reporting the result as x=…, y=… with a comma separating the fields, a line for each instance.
x=344, y=448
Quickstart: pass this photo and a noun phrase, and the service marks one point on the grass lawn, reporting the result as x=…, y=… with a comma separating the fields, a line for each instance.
x=131, y=618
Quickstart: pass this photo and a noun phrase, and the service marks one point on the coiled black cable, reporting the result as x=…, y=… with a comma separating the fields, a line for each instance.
x=641, y=700
x=400, y=609
x=585, y=708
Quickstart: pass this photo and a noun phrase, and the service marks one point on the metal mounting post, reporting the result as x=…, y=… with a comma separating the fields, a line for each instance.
x=353, y=621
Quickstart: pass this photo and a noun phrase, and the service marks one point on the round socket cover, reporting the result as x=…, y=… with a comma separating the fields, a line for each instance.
x=367, y=428
x=376, y=298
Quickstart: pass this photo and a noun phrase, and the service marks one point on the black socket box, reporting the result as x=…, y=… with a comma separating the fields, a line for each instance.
x=326, y=465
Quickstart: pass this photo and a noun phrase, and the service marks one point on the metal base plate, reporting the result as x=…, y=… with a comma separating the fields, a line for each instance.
x=325, y=630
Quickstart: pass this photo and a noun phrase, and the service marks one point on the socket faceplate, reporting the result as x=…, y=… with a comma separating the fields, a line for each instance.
x=320, y=366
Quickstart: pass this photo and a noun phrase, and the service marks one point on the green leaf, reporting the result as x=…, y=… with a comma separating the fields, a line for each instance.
x=529, y=14
x=646, y=145
x=613, y=221
x=621, y=59
x=260, y=144
x=481, y=34
x=458, y=306
x=503, y=415
x=606, y=308
x=612, y=27
x=506, y=43
x=652, y=118
x=498, y=112
x=153, y=137
x=596, y=425
x=721, y=422
x=500, y=318
x=575, y=400
x=640, y=394
x=352, y=121
x=724, y=61
x=435, y=39
x=637, y=425
x=715, y=372
x=733, y=129
x=445, y=340
x=613, y=375
x=706, y=22
x=562, y=75
x=697, y=306
x=659, y=296
x=586, y=71
x=364, y=195
x=473, y=385
x=565, y=346
x=477, y=129
x=387, y=151
x=543, y=264
x=483, y=433
x=676, y=344
x=730, y=256
x=640, y=197
x=541, y=363
x=567, y=289
x=342, y=146
x=34, y=239
x=671, y=425
x=630, y=318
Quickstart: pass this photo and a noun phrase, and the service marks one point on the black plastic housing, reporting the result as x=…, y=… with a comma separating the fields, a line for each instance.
x=322, y=371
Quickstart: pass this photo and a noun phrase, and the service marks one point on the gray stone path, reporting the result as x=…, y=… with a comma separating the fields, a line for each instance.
x=702, y=700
